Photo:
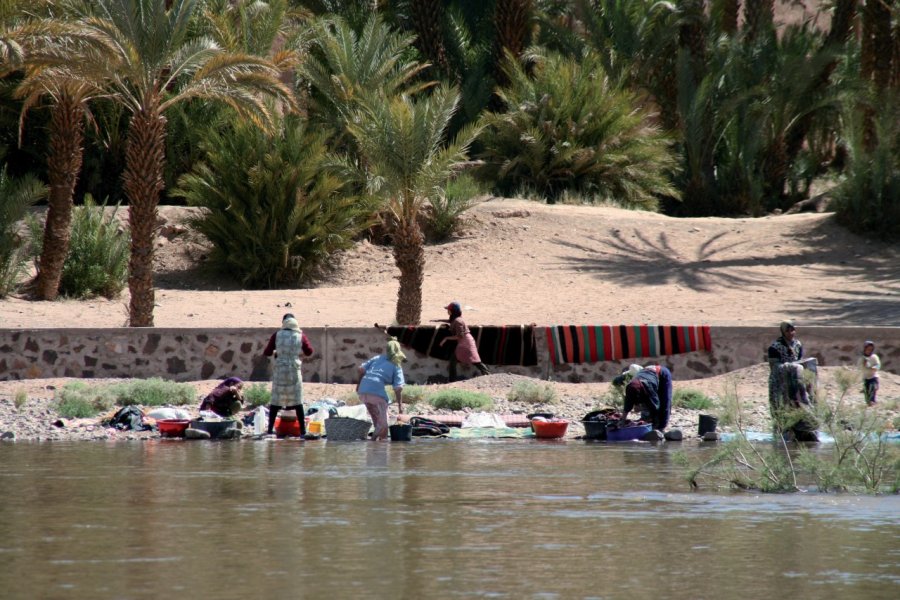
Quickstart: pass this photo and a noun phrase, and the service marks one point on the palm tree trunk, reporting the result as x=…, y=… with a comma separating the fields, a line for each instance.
x=409, y=256
x=692, y=36
x=775, y=168
x=727, y=11
x=875, y=59
x=427, y=17
x=841, y=27
x=63, y=165
x=895, y=61
x=512, y=19
x=142, y=182
x=876, y=64
x=759, y=16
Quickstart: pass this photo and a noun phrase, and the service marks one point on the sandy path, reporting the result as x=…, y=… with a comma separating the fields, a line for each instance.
x=523, y=262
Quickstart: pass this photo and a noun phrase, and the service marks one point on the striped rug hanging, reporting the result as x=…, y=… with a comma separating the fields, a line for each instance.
x=594, y=343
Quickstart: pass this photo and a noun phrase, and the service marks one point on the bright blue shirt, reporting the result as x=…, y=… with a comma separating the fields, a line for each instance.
x=379, y=372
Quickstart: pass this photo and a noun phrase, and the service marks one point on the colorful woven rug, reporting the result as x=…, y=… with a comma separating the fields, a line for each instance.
x=594, y=343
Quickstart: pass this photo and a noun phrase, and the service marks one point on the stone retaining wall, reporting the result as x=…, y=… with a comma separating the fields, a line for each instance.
x=195, y=354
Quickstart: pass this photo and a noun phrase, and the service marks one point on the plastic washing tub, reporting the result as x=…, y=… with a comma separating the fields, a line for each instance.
x=594, y=430
x=287, y=427
x=172, y=427
x=549, y=429
x=627, y=434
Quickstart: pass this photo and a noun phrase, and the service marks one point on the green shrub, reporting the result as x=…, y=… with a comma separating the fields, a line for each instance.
x=532, y=393
x=460, y=399
x=153, y=392
x=352, y=398
x=414, y=394
x=77, y=408
x=77, y=400
x=446, y=211
x=276, y=212
x=868, y=200
x=257, y=394
x=19, y=399
x=97, y=263
x=691, y=399
x=16, y=196
x=569, y=127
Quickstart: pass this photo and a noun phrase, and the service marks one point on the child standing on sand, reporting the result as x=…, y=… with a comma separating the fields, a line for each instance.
x=869, y=365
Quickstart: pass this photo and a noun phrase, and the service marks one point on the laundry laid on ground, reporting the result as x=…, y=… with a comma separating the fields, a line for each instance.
x=510, y=420
x=595, y=343
x=129, y=418
x=475, y=433
x=497, y=344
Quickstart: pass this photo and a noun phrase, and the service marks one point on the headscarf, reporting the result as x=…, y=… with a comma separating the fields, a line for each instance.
x=785, y=325
x=290, y=323
x=627, y=375
x=230, y=382
x=394, y=353
x=869, y=343
x=455, y=309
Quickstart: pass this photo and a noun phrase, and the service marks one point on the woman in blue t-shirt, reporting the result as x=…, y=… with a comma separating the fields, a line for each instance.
x=374, y=375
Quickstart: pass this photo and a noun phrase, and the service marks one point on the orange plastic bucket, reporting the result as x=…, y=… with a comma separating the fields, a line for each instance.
x=287, y=427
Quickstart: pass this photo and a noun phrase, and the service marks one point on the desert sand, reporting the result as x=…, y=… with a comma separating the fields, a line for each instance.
x=523, y=262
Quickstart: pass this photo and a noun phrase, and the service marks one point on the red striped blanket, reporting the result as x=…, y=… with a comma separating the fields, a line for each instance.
x=594, y=343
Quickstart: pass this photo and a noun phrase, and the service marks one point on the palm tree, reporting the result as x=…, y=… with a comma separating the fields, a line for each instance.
x=726, y=14
x=343, y=66
x=759, y=17
x=255, y=27
x=16, y=196
x=47, y=76
x=151, y=64
x=512, y=20
x=427, y=18
x=401, y=141
x=877, y=47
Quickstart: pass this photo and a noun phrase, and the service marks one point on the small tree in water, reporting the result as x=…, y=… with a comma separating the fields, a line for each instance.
x=860, y=458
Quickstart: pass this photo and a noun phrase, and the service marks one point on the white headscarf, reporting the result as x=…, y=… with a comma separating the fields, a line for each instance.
x=290, y=323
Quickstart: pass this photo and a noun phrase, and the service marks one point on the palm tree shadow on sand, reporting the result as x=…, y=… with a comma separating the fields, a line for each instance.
x=645, y=261
x=633, y=258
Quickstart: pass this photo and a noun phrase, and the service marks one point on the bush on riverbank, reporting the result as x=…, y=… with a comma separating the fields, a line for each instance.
x=77, y=400
x=691, y=399
x=532, y=393
x=460, y=399
x=861, y=458
x=257, y=394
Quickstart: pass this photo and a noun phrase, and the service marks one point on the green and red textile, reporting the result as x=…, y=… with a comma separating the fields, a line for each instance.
x=594, y=343
x=497, y=345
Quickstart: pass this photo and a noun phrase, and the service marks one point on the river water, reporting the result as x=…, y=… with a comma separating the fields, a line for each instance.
x=431, y=518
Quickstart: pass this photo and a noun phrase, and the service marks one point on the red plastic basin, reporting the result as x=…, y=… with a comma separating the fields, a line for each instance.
x=550, y=429
x=172, y=427
x=287, y=427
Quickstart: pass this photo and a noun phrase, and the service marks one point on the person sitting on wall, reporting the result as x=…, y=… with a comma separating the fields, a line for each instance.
x=650, y=389
x=226, y=399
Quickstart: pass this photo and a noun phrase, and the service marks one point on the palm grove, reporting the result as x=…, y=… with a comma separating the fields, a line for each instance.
x=297, y=127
